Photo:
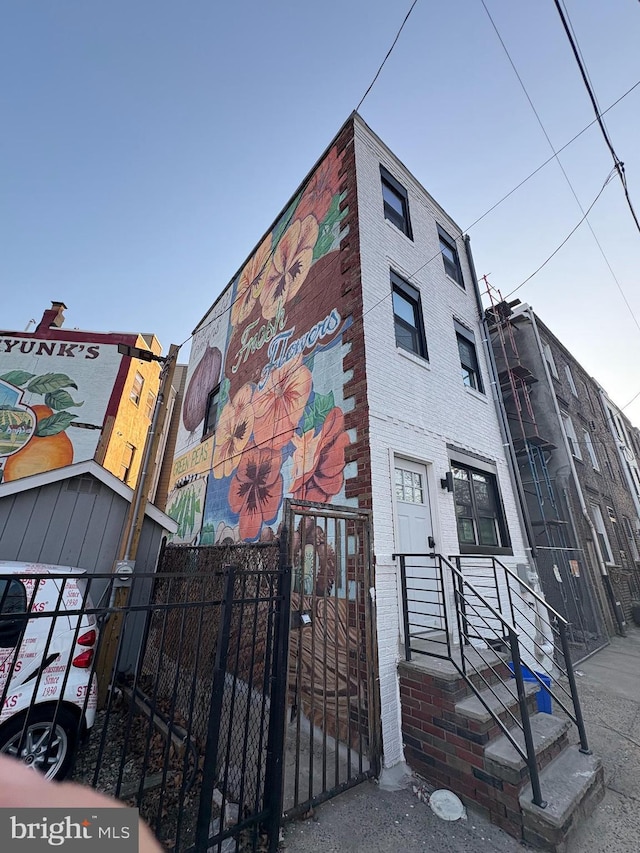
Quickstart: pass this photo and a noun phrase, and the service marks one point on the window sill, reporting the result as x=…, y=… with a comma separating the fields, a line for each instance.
x=486, y=549
x=416, y=359
x=457, y=283
x=478, y=395
x=397, y=230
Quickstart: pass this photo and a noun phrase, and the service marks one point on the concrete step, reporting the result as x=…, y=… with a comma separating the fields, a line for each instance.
x=502, y=759
x=497, y=699
x=572, y=785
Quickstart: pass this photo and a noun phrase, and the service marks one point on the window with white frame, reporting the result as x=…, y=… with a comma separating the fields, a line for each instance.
x=588, y=442
x=469, y=366
x=407, y=316
x=572, y=384
x=572, y=438
x=631, y=538
x=601, y=532
x=395, y=202
x=450, y=257
x=548, y=355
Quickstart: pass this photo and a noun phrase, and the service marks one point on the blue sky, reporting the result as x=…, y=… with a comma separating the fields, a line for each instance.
x=147, y=146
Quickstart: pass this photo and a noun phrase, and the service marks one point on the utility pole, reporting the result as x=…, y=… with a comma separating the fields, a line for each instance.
x=130, y=538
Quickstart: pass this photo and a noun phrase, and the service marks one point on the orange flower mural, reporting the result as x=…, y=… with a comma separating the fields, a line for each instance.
x=323, y=186
x=233, y=432
x=280, y=405
x=289, y=266
x=256, y=489
x=251, y=282
x=318, y=460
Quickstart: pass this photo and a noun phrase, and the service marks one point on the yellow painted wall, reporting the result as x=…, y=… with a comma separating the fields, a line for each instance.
x=132, y=422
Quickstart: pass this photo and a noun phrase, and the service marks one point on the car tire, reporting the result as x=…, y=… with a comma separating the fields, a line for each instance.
x=30, y=745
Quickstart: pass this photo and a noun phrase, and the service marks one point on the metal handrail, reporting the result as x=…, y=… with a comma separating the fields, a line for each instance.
x=560, y=628
x=459, y=584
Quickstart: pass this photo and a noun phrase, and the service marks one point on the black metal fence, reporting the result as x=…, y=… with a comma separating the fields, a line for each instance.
x=167, y=691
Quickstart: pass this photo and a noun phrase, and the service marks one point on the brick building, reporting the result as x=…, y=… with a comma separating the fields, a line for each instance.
x=345, y=367
x=577, y=465
x=68, y=396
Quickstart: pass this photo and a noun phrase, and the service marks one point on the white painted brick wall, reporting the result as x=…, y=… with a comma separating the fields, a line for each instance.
x=416, y=408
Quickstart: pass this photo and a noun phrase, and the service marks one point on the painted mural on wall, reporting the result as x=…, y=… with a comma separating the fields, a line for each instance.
x=43, y=394
x=280, y=427
x=185, y=502
x=272, y=343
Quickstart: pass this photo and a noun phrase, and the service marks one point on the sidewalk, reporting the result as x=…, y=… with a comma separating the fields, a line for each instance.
x=372, y=820
x=610, y=696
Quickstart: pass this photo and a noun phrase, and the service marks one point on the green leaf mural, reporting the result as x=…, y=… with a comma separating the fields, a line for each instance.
x=60, y=399
x=326, y=236
x=316, y=413
x=54, y=423
x=17, y=377
x=49, y=382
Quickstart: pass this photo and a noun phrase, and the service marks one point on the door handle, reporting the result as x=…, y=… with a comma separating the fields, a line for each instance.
x=431, y=542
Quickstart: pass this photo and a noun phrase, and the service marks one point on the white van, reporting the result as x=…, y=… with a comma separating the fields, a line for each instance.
x=48, y=692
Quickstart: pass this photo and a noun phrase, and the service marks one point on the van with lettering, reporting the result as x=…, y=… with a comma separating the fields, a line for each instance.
x=48, y=689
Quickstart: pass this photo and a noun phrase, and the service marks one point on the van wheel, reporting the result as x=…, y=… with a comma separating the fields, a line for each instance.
x=35, y=740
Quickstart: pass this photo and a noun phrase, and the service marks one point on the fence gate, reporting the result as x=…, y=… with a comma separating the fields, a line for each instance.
x=332, y=736
x=193, y=732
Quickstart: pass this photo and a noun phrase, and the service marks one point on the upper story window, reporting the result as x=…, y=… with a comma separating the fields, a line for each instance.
x=468, y=357
x=631, y=539
x=149, y=406
x=407, y=316
x=572, y=438
x=396, y=202
x=450, y=257
x=127, y=462
x=601, y=532
x=548, y=355
x=479, y=515
x=588, y=443
x=569, y=376
x=212, y=412
x=136, y=389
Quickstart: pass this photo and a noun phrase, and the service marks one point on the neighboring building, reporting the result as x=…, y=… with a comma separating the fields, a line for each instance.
x=344, y=364
x=164, y=472
x=68, y=396
x=577, y=466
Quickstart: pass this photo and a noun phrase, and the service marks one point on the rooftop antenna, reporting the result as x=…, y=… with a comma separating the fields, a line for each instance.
x=29, y=324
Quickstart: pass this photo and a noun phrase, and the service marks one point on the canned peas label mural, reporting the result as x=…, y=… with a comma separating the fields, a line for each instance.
x=40, y=399
x=279, y=421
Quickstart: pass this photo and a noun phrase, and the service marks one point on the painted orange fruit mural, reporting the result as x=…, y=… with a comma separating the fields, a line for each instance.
x=40, y=453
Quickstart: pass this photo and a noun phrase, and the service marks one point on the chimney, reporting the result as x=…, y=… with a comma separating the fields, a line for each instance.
x=52, y=317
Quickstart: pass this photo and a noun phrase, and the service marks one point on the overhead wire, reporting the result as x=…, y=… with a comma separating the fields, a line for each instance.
x=468, y=228
x=600, y=121
x=382, y=64
x=569, y=235
x=618, y=164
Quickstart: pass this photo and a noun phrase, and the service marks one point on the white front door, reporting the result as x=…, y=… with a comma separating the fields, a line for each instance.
x=415, y=536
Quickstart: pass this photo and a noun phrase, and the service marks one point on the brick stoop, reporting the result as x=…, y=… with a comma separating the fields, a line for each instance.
x=454, y=742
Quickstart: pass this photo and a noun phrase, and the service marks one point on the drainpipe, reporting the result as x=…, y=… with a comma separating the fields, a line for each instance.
x=615, y=605
x=512, y=462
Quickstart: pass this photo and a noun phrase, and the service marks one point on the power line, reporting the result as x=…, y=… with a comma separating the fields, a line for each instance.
x=469, y=227
x=382, y=64
x=569, y=235
x=598, y=119
x=618, y=164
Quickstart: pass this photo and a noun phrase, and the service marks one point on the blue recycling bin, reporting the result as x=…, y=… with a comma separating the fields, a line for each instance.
x=543, y=696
